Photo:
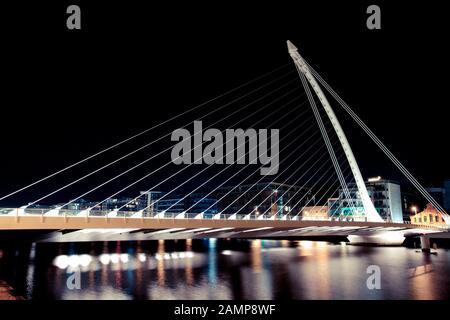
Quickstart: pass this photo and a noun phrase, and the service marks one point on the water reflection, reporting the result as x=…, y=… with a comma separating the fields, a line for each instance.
x=256, y=256
x=161, y=271
x=223, y=269
x=212, y=261
x=257, y=278
x=188, y=268
x=423, y=280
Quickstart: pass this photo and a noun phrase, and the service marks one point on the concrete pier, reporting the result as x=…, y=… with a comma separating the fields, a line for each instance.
x=425, y=243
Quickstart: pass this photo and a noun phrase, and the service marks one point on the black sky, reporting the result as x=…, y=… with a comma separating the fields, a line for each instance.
x=67, y=94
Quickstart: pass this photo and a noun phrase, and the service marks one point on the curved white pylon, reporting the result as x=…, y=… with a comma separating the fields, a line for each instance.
x=369, y=209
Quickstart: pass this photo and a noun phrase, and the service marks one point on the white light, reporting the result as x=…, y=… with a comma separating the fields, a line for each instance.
x=166, y=256
x=306, y=243
x=74, y=261
x=174, y=255
x=189, y=254
x=124, y=258
x=85, y=260
x=157, y=256
x=182, y=255
x=62, y=262
x=373, y=179
x=104, y=258
x=226, y=252
x=114, y=258
x=142, y=257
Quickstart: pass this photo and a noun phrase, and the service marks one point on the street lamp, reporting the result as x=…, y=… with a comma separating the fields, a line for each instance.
x=414, y=209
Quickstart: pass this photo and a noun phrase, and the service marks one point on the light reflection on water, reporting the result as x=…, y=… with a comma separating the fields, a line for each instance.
x=224, y=269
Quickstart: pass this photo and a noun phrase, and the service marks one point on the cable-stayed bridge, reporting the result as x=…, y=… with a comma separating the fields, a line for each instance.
x=305, y=164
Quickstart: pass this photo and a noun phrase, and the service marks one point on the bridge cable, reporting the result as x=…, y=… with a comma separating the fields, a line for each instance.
x=329, y=188
x=186, y=167
x=152, y=128
x=291, y=121
x=301, y=188
x=254, y=184
x=294, y=183
x=311, y=188
x=304, y=142
x=380, y=144
x=154, y=156
x=324, y=134
x=232, y=189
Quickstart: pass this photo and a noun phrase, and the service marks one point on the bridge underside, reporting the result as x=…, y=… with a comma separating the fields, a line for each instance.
x=74, y=229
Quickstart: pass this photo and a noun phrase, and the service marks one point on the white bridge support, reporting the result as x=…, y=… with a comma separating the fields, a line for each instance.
x=199, y=216
x=138, y=214
x=112, y=214
x=53, y=212
x=84, y=213
x=181, y=215
x=17, y=212
x=369, y=209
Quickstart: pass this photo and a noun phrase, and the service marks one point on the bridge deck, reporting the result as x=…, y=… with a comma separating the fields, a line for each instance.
x=33, y=222
x=72, y=228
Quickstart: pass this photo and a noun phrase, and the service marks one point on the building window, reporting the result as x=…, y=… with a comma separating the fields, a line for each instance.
x=424, y=218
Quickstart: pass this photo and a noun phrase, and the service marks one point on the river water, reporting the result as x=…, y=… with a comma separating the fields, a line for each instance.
x=224, y=269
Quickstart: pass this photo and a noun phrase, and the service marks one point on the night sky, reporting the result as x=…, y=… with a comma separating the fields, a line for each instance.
x=68, y=94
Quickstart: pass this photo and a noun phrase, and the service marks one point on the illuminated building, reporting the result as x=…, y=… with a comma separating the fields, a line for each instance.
x=429, y=216
x=315, y=213
x=385, y=195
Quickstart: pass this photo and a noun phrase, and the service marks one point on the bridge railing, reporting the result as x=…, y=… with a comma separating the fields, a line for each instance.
x=167, y=215
x=157, y=215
